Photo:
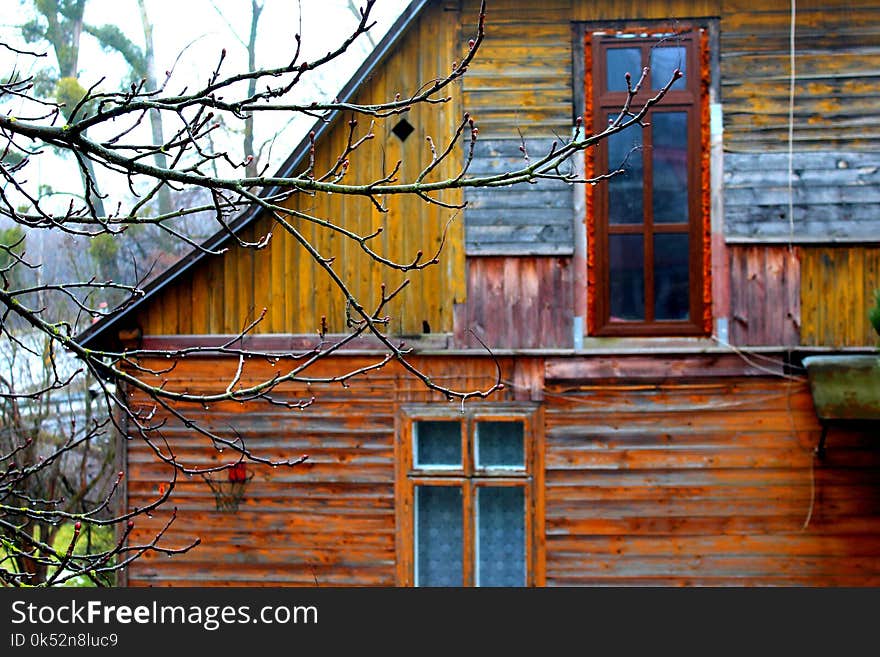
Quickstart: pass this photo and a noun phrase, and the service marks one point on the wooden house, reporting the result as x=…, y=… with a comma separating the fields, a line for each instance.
x=656, y=426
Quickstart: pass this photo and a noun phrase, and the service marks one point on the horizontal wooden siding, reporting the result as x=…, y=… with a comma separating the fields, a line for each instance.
x=706, y=484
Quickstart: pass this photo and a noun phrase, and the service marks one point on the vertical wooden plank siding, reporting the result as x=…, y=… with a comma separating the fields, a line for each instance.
x=518, y=303
x=765, y=301
x=283, y=279
x=706, y=484
x=836, y=292
x=521, y=83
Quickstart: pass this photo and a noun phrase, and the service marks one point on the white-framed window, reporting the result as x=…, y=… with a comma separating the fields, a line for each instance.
x=467, y=496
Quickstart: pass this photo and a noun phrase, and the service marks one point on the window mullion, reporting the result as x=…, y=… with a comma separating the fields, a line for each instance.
x=648, y=197
x=470, y=522
x=469, y=547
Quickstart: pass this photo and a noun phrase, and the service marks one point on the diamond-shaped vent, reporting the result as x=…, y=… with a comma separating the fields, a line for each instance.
x=403, y=129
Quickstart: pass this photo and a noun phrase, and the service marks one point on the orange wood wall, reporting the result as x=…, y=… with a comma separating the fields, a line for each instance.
x=328, y=521
x=684, y=482
x=706, y=484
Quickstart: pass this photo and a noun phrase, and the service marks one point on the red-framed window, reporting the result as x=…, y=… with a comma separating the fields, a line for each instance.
x=648, y=243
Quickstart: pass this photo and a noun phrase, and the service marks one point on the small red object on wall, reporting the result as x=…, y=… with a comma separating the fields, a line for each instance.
x=238, y=472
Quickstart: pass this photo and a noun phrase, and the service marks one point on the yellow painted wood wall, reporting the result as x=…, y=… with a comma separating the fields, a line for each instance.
x=522, y=81
x=225, y=292
x=837, y=284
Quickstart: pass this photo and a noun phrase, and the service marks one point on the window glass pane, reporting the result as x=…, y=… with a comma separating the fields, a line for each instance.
x=501, y=536
x=664, y=61
x=671, y=276
x=621, y=61
x=438, y=536
x=669, y=152
x=437, y=444
x=625, y=204
x=627, y=273
x=500, y=444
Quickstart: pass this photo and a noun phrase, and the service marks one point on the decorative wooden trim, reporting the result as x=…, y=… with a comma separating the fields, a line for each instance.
x=515, y=250
x=590, y=190
x=539, y=531
x=705, y=180
x=403, y=508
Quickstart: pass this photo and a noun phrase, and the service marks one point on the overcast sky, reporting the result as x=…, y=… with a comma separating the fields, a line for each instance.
x=189, y=35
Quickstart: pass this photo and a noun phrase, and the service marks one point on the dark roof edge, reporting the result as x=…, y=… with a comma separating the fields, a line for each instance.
x=95, y=332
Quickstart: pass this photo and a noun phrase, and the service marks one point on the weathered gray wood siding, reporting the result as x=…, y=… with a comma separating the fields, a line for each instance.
x=519, y=90
x=835, y=196
x=524, y=82
x=835, y=183
x=522, y=220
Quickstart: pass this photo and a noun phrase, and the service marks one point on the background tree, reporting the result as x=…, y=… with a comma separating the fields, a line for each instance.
x=107, y=138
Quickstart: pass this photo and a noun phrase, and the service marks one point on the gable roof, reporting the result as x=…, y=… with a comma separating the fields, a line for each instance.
x=100, y=331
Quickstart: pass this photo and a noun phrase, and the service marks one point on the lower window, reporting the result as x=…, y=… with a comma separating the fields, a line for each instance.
x=467, y=497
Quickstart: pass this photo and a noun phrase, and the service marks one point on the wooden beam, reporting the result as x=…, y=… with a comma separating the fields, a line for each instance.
x=657, y=367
